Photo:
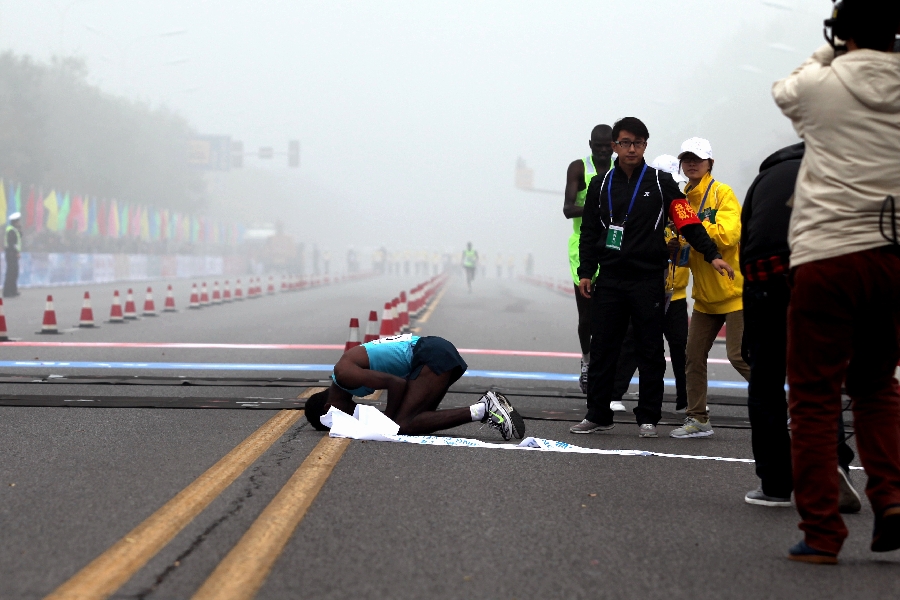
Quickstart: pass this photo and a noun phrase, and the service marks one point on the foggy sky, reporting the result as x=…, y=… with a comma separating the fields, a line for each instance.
x=411, y=114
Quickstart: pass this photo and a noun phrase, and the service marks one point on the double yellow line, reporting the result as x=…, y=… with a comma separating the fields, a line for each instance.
x=245, y=568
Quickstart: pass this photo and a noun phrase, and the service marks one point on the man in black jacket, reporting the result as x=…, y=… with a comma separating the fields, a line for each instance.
x=765, y=255
x=622, y=232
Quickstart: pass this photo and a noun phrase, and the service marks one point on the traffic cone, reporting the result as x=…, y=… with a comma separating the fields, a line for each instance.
x=404, y=313
x=271, y=288
x=195, y=298
x=115, y=313
x=387, y=324
x=371, y=328
x=87, y=313
x=130, y=308
x=226, y=292
x=3, y=336
x=353, y=339
x=395, y=316
x=216, y=297
x=149, y=306
x=204, y=295
x=238, y=291
x=48, y=325
x=169, y=305
x=284, y=286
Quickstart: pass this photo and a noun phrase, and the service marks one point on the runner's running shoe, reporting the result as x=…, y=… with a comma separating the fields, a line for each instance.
x=692, y=428
x=499, y=414
x=648, y=430
x=582, y=380
x=617, y=406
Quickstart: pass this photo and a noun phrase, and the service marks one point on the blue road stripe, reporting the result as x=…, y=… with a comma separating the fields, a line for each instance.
x=167, y=366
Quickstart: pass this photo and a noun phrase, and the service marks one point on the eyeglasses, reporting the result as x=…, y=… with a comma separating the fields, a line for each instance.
x=627, y=144
x=692, y=160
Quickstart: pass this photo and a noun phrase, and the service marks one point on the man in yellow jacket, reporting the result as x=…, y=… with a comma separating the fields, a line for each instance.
x=717, y=300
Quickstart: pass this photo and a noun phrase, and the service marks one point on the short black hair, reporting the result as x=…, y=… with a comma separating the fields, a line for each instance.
x=315, y=408
x=631, y=125
x=600, y=131
x=870, y=24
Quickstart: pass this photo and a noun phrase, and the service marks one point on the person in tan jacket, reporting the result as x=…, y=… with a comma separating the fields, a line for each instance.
x=717, y=300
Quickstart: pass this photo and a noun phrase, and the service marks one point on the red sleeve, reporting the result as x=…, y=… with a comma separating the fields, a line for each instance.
x=681, y=213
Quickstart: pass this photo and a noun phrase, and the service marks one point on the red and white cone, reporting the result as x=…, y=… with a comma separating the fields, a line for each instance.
x=149, y=305
x=238, y=291
x=271, y=288
x=404, y=313
x=87, y=313
x=204, y=295
x=395, y=315
x=353, y=339
x=3, y=335
x=115, y=313
x=226, y=292
x=387, y=322
x=195, y=298
x=371, y=328
x=48, y=325
x=169, y=305
x=216, y=297
x=130, y=308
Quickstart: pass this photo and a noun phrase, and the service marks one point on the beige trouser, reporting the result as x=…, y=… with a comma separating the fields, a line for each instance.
x=701, y=336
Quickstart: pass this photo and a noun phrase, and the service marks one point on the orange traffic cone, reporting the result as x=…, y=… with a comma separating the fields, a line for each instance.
x=149, y=305
x=353, y=339
x=169, y=305
x=238, y=291
x=3, y=336
x=130, y=308
x=195, y=298
x=387, y=322
x=371, y=327
x=395, y=316
x=216, y=297
x=204, y=295
x=87, y=313
x=49, y=323
x=404, y=313
x=115, y=313
x=226, y=292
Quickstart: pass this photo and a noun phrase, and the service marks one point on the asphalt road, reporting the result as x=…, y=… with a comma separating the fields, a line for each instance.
x=391, y=520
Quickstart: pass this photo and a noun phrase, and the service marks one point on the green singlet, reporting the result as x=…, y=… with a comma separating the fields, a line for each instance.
x=575, y=238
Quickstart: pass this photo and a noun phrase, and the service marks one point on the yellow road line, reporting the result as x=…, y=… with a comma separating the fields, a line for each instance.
x=109, y=571
x=243, y=571
x=430, y=310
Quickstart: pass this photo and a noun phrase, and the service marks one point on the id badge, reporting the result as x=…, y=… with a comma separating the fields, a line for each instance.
x=614, y=237
x=684, y=254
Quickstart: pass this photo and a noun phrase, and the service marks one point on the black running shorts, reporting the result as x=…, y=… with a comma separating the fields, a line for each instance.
x=439, y=355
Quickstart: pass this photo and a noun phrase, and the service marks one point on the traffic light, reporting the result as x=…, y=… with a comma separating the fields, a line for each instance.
x=237, y=154
x=294, y=153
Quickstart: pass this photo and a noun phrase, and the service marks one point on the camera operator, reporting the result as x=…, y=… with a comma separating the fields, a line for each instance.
x=844, y=315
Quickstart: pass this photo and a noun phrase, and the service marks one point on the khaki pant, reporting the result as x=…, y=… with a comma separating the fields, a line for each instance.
x=701, y=336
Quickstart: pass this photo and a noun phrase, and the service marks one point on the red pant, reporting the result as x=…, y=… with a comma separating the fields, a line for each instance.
x=843, y=326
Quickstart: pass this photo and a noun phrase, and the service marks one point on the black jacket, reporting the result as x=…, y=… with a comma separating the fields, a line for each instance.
x=766, y=216
x=644, y=254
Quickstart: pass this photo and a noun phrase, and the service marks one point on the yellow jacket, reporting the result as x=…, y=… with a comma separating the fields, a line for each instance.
x=721, y=216
x=677, y=279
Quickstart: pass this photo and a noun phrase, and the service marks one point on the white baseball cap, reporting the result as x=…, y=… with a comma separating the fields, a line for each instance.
x=15, y=216
x=669, y=164
x=697, y=146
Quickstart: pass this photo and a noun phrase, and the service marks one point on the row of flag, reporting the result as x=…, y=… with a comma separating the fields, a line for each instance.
x=111, y=218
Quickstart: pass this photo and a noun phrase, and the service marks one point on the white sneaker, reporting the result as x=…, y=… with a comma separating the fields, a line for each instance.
x=648, y=430
x=617, y=406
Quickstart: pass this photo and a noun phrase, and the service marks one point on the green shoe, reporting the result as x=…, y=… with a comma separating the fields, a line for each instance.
x=692, y=428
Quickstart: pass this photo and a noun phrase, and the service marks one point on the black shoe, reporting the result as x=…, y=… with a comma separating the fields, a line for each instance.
x=848, y=499
x=886, y=536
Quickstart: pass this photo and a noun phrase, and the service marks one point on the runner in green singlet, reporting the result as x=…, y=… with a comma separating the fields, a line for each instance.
x=578, y=178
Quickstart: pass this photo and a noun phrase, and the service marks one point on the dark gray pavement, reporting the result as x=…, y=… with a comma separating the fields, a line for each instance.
x=395, y=520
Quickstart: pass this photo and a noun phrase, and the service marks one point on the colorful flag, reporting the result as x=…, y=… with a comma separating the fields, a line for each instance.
x=18, y=199
x=51, y=212
x=3, y=208
x=123, y=221
x=76, y=215
x=62, y=217
x=39, y=212
x=30, y=208
x=112, y=221
x=93, y=219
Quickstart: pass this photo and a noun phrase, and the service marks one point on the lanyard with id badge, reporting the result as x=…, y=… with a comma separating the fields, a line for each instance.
x=684, y=252
x=615, y=233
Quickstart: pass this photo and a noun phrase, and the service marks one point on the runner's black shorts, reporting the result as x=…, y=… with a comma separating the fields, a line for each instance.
x=439, y=355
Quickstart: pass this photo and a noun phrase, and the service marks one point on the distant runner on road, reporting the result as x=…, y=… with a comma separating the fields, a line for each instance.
x=470, y=263
x=416, y=372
